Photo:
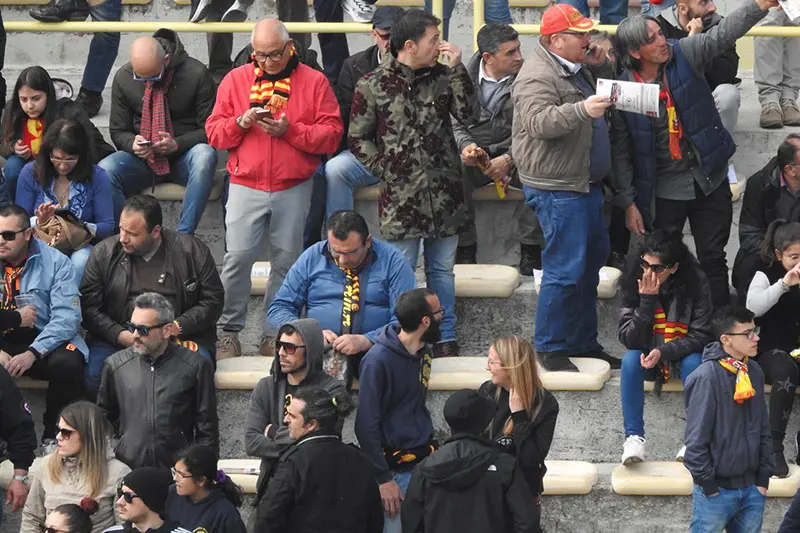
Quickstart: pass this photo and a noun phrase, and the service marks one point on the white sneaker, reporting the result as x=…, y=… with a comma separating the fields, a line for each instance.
x=680, y=455
x=633, y=450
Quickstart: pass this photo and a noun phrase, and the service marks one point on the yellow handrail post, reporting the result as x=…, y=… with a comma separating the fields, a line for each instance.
x=477, y=20
x=438, y=12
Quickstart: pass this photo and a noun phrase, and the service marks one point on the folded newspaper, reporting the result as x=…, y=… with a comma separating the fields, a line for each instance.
x=791, y=8
x=641, y=98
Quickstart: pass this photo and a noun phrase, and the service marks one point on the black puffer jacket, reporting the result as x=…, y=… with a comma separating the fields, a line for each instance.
x=159, y=407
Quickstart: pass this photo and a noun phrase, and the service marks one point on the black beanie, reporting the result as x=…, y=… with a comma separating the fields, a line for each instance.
x=469, y=412
x=151, y=484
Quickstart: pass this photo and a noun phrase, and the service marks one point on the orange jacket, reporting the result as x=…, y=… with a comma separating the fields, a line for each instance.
x=261, y=161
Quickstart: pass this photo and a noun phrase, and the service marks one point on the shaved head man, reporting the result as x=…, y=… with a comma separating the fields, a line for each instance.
x=148, y=57
x=272, y=46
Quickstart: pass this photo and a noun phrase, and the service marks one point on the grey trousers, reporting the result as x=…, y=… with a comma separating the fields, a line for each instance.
x=777, y=62
x=249, y=213
x=727, y=101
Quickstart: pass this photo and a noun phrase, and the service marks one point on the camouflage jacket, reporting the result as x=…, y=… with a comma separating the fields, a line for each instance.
x=400, y=129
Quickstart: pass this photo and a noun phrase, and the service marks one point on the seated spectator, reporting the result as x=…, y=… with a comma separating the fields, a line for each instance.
x=320, y=483
x=276, y=134
x=159, y=395
x=728, y=444
x=469, y=472
x=72, y=518
x=349, y=284
x=141, y=499
x=145, y=257
x=692, y=17
x=64, y=177
x=774, y=299
x=393, y=425
x=204, y=498
x=297, y=364
x=493, y=69
x=665, y=324
x=81, y=466
x=525, y=420
x=32, y=109
x=159, y=104
x=19, y=434
x=772, y=193
x=51, y=348
x=791, y=520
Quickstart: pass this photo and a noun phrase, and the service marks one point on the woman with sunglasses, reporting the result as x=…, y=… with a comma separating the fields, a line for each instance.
x=71, y=518
x=82, y=466
x=64, y=177
x=665, y=324
x=525, y=420
x=774, y=298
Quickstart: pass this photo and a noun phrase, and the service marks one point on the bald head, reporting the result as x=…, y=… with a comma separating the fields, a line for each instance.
x=147, y=57
x=269, y=40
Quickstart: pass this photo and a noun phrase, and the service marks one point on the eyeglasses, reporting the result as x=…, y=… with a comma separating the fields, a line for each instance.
x=52, y=530
x=384, y=36
x=493, y=362
x=288, y=347
x=178, y=473
x=440, y=311
x=346, y=254
x=65, y=161
x=9, y=236
x=274, y=56
x=136, y=77
x=144, y=331
x=127, y=496
x=64, y=432
x=575, y=33
x=658, y=269
x=750, y=333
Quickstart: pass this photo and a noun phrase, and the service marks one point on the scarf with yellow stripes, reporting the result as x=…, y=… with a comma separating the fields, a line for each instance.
x=272, y=91
x=744, y=388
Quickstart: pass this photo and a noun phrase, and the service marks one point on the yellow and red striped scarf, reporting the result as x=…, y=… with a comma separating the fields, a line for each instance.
x=670, y=331
x=272, y=91
x=744, y=388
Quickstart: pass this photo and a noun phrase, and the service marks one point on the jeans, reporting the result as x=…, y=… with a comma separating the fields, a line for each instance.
x=393, y=525
x=79, y=259
x=316, y=213
x=611, y=11
x=332, y=45
x=343, y=174
x=632, y=388
x=11, y=171
x=493, y=11
x=194, y=169
x=104, y=47
x=653, y=10
x=440, y=258
x=576, y=248
x=734, y=510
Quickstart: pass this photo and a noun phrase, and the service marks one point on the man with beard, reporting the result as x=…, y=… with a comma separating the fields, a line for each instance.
x=393, y=425
x=158, y=394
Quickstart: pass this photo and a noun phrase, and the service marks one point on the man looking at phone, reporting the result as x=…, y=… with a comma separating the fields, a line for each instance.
x=159, y=104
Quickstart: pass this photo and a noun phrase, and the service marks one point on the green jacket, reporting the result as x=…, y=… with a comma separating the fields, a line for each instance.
x=400, y=130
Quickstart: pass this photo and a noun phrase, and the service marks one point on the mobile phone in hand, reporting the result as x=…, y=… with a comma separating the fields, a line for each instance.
x=144, y=143
x=264, y=113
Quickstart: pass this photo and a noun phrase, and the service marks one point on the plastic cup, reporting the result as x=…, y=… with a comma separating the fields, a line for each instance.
x=23, y=300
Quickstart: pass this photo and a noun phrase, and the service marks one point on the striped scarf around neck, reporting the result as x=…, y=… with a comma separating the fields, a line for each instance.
x=744, y=388
x=272, y=91
x=156, y=117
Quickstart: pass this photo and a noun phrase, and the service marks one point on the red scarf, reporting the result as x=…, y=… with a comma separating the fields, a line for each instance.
x=673, y=122
x=155, y=118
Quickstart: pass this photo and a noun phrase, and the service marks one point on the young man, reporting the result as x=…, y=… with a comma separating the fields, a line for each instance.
x=728, y=440
x=140, y=501
x=393, y=425
x=19, y=433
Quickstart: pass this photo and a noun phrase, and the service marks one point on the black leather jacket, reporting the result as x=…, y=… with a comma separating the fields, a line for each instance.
x=159, y=407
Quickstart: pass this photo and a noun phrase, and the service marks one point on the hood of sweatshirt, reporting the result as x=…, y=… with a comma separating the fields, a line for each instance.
x=460, y=463
x=311, y=332
x=388, y=337
x=172, y=45
x=714, y=351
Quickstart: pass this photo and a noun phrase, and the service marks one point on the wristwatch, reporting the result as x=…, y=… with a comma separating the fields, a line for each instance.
x=24, y=479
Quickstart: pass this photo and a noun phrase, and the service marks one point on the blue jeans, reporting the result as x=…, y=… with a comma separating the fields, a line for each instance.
x=104, y=47
x=393, y=525
x=440, y=258
x=493, y=11
x=194, y=169
x=79, y=259
x=344, y=174
x=632, y=388
x=11, y=171
x=611, y=11
x=653, y=10
x=576, y=248
x=734, y=510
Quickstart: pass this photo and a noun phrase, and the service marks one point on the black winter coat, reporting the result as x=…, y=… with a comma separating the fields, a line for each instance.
x=353, y=68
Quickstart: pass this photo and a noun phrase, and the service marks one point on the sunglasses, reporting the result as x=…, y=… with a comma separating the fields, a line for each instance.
x=658, y=269
x=127, y=496
x=9, y=236
x=65, y=161
x=144, y=331
x=51, y=530
x=750, y=333
x=287, y=347
x=136, y=77
x=384, y=36
x=64, y=432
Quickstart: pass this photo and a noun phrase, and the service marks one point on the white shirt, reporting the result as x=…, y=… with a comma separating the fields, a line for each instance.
x=569, y=65
x=482, y=75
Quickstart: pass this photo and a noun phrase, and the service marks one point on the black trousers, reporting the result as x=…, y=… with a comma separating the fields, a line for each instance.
x=780, y=371
x=710, y=218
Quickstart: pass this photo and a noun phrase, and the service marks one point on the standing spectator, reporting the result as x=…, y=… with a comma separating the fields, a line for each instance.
x=422, y=192
x=611, y=11
x=82, y=465
x=276, y=117
x=777, y=74
x=393, y=425
x=51, y=348
x=493, y=11
x=18, y=432
x=63, y=177
x=665, y=324
x=493, y=69
x=679, y=161
x=32, y=109
x=526, y=416
x=791, y=521
x=159, y=395
x=204, y=498
x=728, y=444
x=561, y=142
x=297, y=364
x=72, y=518
x=320, y=483
x=160, y=103
x=145, y=257
x=141, y=499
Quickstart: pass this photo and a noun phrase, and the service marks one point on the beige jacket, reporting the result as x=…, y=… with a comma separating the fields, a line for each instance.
x=551, y=131
x=45, y=495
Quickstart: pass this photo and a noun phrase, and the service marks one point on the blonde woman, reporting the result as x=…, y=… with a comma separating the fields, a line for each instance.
x=83, y=466
x=526, y=413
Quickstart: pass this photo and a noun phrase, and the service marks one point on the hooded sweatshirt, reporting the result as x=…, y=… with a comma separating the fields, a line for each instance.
x=728, y=444
x=393, y=386
x=468, y=474
x=269, y=398
x=214, y=513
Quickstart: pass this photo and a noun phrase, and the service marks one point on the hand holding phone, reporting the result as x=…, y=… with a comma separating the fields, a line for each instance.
x=144, y=143
x=263, y=113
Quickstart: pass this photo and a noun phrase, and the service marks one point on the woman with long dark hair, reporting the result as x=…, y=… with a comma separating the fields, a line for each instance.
x=665, y=324
x=72, y=517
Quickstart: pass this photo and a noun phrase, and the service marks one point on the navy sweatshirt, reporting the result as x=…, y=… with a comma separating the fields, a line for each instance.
x=214, y=514
x=392, y=388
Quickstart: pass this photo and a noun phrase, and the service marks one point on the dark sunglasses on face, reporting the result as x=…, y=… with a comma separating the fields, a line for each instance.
x=658, y=269
x=127, y=496
x=144, y=331
x=9, y=236
x=64, y=432
x=288, y=347
x=384, y=36
x=52, y=530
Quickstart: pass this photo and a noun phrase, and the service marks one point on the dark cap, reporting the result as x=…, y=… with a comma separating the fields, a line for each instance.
x=468, y=411
x=385, y=16
x=151, y=484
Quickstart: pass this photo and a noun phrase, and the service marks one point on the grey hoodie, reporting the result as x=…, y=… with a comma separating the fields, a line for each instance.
x=728, y=445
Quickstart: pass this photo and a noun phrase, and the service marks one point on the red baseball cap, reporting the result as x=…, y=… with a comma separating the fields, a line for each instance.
x=564, y=17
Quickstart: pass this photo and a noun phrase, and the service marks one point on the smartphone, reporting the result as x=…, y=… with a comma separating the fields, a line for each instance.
x=263, y=113
x=144, y=143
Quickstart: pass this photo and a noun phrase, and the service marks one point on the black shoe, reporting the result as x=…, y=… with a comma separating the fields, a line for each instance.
x=90, y=101
x=781, y=467
x=556, y=362
x=530, y=259
x=615, y=363
x=445, y=349
x=72, y=10
x=466, y=255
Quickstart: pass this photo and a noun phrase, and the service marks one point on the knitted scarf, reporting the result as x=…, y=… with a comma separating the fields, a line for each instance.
x=11, y=285
x=673, y=122
x=351, y=304
x=156, y=117
x=744, y=389
x=272, y=91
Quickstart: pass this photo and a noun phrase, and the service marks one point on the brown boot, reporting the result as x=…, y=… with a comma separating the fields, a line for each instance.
x=267, y=346
x=791, y=113
x=228, y=345
x=771, y=116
